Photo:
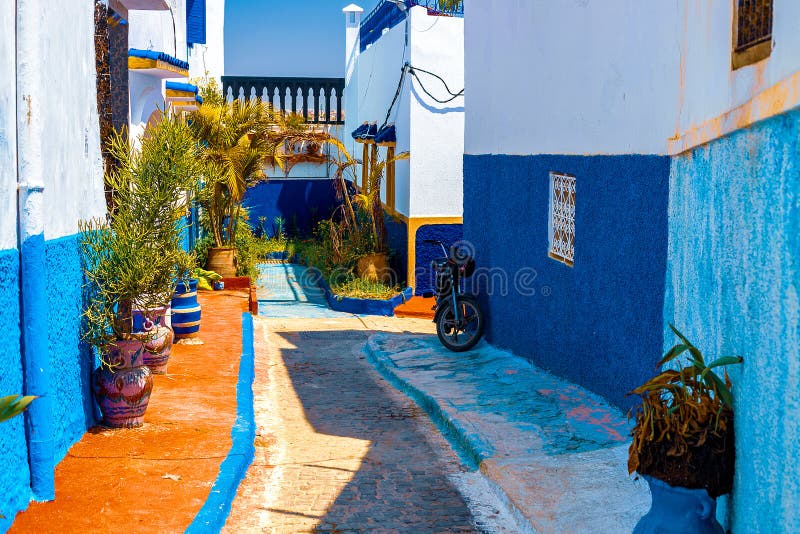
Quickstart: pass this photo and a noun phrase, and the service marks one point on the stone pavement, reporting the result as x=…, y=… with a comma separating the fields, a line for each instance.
x=554, y=451
x=340, y=450
x=286, y=290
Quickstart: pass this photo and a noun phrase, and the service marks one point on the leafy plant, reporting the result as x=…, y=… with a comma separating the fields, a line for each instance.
x=13, y=405
x=684, y=425
x=133, y=258
x=205, y=279
x=357, y=227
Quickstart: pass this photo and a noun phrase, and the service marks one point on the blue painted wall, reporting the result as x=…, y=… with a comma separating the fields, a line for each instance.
x=306, y=201
x=71, y=360
x=425, y=253
x=732, y=287
x=397, y=233
x=14, y=475
x=600, y=322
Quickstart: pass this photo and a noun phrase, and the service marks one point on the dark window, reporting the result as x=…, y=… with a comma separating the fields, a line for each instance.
x=753, y=32
x=196, y=21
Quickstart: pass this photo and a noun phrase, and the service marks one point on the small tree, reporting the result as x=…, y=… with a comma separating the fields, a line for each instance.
x=134, y=257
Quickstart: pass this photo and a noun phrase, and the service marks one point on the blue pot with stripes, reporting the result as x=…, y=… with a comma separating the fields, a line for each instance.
x=185, y=309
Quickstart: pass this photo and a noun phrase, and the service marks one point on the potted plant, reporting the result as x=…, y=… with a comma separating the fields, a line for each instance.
x=360, y=218
x=132, y=260
x=683, y=441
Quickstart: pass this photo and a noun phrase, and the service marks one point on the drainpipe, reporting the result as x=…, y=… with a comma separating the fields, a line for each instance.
x=30, y=186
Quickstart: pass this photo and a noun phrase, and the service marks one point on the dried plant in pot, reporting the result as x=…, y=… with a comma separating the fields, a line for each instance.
x=683, y=441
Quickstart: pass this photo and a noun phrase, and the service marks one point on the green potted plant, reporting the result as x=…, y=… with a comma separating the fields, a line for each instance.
x=359, y=221
x=132, y=261
x=683, y=441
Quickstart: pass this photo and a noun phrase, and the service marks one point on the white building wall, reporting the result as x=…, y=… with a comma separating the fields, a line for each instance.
x=429, y=184
x=8, y=128
x=571, y=77
x=437, y=130
x=210, y=57
x=708, y=86
x=153, y=30
x=72, y=165
x=146, y=98
x=378, y=73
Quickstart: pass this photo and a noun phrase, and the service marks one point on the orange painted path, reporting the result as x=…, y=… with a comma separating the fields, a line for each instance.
x=416, y=307
x=157, y=477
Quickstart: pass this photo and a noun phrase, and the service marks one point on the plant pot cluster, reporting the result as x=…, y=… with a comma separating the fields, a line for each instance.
x=133, y=261
x=683, y=441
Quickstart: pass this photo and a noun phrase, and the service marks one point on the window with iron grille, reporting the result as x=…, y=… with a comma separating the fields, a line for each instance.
x=752, y=35
x=562, y=217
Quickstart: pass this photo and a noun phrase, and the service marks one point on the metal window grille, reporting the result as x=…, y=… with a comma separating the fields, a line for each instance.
x=753, y=23
x=562, y=217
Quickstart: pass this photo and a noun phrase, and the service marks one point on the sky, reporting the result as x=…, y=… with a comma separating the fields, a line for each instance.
x=286, y=37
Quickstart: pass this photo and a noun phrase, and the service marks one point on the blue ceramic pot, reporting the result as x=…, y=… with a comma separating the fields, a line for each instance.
x=679, y=510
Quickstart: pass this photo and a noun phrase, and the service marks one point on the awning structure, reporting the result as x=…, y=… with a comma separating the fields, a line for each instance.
x=182, y=96
x=148, y=5
x=157, y=64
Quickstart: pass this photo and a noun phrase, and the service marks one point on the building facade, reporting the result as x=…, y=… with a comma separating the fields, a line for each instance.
x=427, y=112
x=67, y=79
x=645, y=172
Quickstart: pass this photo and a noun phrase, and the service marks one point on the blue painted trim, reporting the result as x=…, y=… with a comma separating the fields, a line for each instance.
x=159, y=56
x=361, y=306
x=214, y=513
x=185, y=87
x=36, y=366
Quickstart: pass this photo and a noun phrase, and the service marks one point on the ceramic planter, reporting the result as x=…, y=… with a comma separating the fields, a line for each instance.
x=220, y=260
x=185, y=310
x=123, y=390
x=679, y=510
x=158, y=337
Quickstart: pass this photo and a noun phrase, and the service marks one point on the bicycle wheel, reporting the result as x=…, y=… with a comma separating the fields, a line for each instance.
x=463, y=334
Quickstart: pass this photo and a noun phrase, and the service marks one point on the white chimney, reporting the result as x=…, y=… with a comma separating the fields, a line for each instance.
x=352, y=15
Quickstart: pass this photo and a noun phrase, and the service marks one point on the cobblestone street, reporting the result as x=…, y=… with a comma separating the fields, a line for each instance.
x=338, y=449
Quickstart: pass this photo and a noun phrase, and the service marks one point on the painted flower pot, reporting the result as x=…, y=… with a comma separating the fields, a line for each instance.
x=220, y=260
x=185, y=310
x=158, y=337
x=679, y=510
x=123, y=390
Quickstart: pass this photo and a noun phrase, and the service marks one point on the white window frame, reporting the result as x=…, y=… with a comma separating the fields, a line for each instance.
x=561, y=219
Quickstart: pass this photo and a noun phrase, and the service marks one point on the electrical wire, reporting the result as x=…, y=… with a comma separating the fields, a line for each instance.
x=413, y=71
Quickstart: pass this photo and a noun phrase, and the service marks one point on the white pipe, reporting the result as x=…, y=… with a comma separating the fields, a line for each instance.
x=30, y=185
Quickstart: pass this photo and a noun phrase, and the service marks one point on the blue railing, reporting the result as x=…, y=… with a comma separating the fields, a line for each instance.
x=387, y=15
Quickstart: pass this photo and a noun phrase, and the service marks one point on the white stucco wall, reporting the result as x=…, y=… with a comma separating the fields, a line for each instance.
x=146, y=97
x=377, y=72
x=437, y=130
x=571, y=77
x=153, y=30
x=8, y=138
x=210, y=57
x=708, y=87
x=430, y=183
x=72, y=165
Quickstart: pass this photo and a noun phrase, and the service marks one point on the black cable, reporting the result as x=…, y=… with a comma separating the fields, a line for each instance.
x=413, y=72
x=412, y=69
x=396, y=93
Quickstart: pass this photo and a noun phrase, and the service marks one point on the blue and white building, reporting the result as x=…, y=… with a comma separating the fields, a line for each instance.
x=423, y=194
x=628, y=165
x=54, y=98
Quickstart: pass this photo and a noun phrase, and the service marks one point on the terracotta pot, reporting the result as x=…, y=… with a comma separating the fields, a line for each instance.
x=374, y=267
x=123, y=391
x=220, y=260
x=157, y=336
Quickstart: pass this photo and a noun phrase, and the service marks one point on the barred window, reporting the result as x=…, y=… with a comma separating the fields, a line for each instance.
x=562, y=217
x=752, y=36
